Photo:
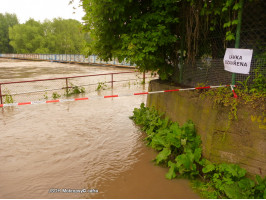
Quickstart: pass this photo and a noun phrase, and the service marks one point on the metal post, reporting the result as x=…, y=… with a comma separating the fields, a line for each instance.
x=238, y=29
x=182, y=50
x=143, y=77
x=112, y=81
x=66, y=86
x=1, y=98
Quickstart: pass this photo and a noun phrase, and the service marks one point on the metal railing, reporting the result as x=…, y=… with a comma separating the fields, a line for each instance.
x=63, y=83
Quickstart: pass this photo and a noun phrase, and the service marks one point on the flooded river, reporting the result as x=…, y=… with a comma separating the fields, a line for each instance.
x=88, y=147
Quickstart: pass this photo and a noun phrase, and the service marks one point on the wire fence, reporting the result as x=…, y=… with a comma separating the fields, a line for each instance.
x=211, y=72
x=208, y=66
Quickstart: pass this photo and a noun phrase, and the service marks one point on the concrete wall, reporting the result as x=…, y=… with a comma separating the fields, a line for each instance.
x=243, y=143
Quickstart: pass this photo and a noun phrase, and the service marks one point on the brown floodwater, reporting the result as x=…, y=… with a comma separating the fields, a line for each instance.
x=54, y=150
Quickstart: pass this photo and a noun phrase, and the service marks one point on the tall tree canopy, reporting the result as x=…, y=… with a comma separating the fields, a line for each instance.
x=64, y=36
x=159, y=35
x=140, y=31
x=28, y=37
x=59, y=36
x=6, y=20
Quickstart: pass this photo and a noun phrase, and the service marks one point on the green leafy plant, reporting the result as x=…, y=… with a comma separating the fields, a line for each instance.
x=245, y=84
x=179, y=148
x=252, y=94
x=55, y=95
x=229, y=180
x=259, y=82
x=101, y=86
x=45, y=96
x=8, y=98
x=75, y=90
x=223, y=97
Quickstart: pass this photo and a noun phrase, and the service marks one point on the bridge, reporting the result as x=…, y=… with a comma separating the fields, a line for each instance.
x=67, y=58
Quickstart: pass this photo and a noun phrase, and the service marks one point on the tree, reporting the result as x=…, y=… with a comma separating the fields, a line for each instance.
x=59, y=36
x=68, y=35
x=6, y=20
x=159, y=35
x=140, y=31
x=28, y=37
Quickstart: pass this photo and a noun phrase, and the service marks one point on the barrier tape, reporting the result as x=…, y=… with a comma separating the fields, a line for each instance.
x=113, y=96
x=232, y=88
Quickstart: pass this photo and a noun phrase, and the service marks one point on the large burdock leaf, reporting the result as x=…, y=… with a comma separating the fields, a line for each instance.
x=208, y=168
x=158, y=142
x=233, y=191
x=163, y=155
x=172, y=171
x=197, y=154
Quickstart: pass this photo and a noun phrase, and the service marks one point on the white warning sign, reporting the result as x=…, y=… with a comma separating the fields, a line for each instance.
x=238, y=60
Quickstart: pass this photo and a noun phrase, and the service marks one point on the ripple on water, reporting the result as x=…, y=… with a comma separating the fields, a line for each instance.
x=87, y=144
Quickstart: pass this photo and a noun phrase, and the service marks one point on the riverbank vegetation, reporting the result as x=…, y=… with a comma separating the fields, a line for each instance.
x=179, y=149
x=252, y=93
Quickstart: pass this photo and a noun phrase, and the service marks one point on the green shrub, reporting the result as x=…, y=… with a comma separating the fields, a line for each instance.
x=8, y=98
x=101, y=86
x=75, y=90
x=55, y=95
x=180, y=149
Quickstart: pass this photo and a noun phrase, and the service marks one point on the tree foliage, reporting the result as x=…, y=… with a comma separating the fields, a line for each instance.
x=6, y=20
x=26, y=38
x=140, y=31
x=157, y=35
x=59, y=36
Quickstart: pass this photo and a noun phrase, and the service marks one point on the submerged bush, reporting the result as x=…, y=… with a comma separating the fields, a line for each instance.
x=75, y=90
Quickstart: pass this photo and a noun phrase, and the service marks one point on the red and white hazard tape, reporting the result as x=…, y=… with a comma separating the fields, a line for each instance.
x=113, y=96
x=232, y=88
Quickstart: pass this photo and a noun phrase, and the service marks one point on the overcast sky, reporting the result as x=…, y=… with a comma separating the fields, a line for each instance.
x=41, y=9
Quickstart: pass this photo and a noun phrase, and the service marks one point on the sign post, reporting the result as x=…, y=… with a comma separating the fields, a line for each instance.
x=238, y=29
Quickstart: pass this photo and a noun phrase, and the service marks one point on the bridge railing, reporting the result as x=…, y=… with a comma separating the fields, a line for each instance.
x=92, y=59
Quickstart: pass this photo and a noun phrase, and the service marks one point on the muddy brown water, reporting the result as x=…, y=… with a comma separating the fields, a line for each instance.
x=86, y=146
